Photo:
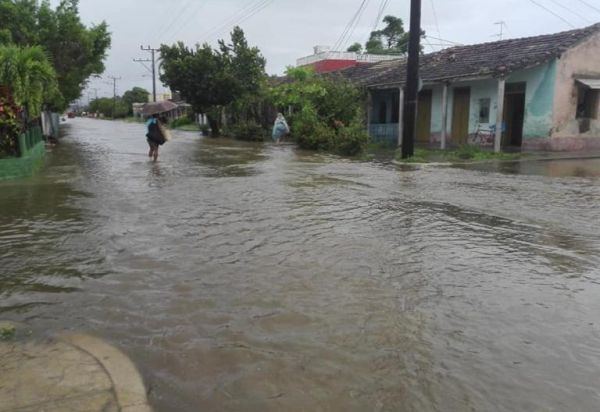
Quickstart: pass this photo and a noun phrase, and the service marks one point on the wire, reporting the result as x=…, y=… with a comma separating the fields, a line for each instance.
x=176, y=17
x=437, y=26
x=239, y=16
x=553, y=13
x=190, y=18
x=443, y=40
x=571, y=11
x=356, y=23
x=348, y=27
x=382, y=7
x=590, y=6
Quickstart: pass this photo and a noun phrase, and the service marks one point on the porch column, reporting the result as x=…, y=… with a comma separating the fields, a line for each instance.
x=444, y=116
x=400, y=115
x=369, y=110
x=499, y=114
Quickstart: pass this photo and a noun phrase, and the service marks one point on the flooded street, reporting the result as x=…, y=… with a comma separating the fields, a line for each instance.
x=249, y=277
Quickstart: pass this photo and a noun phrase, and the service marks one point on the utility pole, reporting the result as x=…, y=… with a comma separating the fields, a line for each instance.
x=153, y=51
x=114, y=79
x=412, y=81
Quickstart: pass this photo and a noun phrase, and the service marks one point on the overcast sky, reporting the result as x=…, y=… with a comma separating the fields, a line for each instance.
x=285, y=30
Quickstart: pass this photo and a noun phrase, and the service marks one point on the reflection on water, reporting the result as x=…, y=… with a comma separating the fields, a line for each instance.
x=242, y=276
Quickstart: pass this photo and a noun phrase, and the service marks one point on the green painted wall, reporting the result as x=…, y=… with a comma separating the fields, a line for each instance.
x=539, y=98
x=33, y=149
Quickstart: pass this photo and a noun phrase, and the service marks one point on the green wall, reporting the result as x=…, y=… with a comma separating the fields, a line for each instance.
x=32, y=148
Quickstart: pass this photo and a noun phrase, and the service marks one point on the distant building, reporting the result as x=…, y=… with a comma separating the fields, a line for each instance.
x=325, y=60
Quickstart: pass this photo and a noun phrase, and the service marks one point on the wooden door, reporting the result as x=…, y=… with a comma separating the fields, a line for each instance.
x=460, y=115
x=424, y=116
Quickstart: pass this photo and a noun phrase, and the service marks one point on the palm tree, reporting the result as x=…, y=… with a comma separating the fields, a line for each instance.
x=29, y=76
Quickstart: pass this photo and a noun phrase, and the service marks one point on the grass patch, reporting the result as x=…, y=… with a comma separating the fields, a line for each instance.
x=466, y=153
x=7, y=333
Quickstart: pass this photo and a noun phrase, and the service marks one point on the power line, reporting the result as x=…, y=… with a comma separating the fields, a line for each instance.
x=571, y=11
x=190, y=18
x=175, y=18
x=435, y=19
x=443, y=40
x=590, y=6
x=356, y=23
x=238, y=17
x=553, y=13
x=341, y=40
x=383, y=5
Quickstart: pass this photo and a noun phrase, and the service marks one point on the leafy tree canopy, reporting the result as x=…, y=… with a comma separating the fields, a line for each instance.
x=208, y=78
x=76, y=51
x=392, y=39
x=356, y=48
x=136, y=95
x=29, y=75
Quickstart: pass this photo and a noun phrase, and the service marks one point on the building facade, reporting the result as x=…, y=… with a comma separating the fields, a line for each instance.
x=536, y=93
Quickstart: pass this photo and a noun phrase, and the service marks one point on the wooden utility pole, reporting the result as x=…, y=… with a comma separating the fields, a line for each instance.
x=153, y=51
x=114, y=79
x=412, y=81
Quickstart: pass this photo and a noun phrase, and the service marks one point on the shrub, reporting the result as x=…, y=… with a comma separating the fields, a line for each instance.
x=312, y=133
x=205, y=129
x=250, y=131
x=351, y=140
x=182, y=121
x=9, y=128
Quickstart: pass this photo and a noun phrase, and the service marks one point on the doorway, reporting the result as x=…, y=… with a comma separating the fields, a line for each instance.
x=460, y=115
x=424, y=116
x=514, y=114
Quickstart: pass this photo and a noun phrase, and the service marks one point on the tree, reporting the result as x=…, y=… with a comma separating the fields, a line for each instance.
x=76, y=51
x=135, y=95
x=356, y=48
x=392, y=39
x=106, y=105
x=327, y=111
x=211, y=79
x=29, y=75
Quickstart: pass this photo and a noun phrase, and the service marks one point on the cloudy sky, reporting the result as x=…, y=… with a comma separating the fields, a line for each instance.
x=285, y=30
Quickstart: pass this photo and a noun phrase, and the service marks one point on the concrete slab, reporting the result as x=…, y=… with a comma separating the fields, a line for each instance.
x=71, y=373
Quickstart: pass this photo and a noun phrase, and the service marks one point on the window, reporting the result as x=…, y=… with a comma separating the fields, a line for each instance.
x=587, y=103
x=484, y=110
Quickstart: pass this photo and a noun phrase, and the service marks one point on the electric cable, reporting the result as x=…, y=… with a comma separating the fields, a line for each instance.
x=552, y=12
x=571, y=11
x=342, y=37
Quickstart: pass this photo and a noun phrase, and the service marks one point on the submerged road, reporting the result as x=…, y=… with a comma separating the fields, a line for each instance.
x=252, y=277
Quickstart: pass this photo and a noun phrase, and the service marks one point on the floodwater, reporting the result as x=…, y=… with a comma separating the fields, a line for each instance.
x=251, y=277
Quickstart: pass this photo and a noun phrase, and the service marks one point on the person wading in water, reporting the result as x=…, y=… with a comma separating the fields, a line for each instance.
x=154, y=136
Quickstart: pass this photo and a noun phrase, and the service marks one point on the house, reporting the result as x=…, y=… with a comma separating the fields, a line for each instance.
x=325, y=60
x=547, y=86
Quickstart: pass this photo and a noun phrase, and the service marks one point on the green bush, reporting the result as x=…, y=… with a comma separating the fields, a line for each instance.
x=205, y=129
x=9, y=128
x=312, y=133
x=250, y=131
x=351, y=140
x=182, y=121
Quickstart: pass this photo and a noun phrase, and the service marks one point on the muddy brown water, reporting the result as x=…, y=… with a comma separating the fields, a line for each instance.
x=251, y=277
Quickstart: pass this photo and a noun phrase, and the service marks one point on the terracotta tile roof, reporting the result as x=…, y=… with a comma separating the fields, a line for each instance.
x=478, y=60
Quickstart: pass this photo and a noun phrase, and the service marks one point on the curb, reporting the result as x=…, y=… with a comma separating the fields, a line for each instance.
x=127, y=382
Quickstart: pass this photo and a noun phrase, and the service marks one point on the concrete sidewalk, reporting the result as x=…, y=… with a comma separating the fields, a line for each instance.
x=69, y=373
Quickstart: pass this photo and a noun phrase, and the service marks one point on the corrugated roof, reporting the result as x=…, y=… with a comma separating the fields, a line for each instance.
x=478, y=60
